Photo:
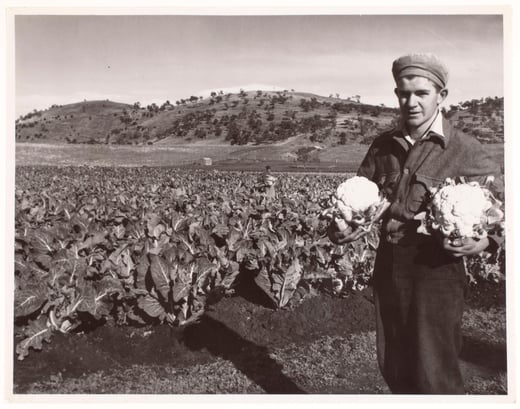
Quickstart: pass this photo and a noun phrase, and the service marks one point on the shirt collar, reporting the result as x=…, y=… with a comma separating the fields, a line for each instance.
x=436, y=130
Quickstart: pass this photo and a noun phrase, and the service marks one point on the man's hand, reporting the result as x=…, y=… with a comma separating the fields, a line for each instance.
x=344, y=236
x=465, y=247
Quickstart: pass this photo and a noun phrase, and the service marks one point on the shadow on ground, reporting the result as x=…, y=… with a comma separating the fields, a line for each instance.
x=485, y=354
x=252, y=360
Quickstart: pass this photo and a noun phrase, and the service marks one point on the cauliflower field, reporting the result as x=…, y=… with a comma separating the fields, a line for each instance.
x=134, y=246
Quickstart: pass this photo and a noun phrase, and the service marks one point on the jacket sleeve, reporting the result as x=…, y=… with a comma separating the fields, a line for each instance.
x=368, y=165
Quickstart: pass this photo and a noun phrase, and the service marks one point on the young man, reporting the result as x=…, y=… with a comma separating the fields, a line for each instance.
x=419, y=281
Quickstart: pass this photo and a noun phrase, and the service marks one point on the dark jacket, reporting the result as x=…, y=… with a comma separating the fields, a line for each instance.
x=405, y=172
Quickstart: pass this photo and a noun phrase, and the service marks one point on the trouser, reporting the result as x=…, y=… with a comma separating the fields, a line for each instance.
x=419, y=297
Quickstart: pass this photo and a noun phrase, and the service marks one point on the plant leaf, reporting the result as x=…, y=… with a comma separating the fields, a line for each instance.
x=152, y=307
x=284, y=284
x=160, y=272
x=28, y=300
x=93, y=239
x=230, y=274
x=42, y=242
x=119, y=231
x=182, y=285
x=263, y=281
x=142, y=270
x=93, y=302
x=36, y=332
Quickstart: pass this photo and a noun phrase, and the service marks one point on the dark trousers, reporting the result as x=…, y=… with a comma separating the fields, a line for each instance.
x=419, y=297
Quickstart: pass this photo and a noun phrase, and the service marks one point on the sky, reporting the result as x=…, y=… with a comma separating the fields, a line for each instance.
x=70, y=58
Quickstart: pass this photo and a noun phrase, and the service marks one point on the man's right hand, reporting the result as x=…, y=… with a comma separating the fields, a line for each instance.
x=344, y=236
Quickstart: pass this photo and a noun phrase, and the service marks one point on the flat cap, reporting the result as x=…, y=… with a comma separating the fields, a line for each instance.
x=422, y=65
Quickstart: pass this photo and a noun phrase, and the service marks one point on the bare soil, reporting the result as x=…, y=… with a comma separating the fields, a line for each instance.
x=235, y=326
x=257, y=343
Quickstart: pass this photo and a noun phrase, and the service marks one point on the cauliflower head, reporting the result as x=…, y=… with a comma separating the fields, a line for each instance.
x=358, y=193
x=358, y=201
x=460, y=210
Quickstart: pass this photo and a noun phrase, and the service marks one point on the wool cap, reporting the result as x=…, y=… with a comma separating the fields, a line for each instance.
x=422, y=65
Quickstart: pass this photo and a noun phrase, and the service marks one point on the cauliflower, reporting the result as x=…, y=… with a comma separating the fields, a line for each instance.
x=357, y=202
x=463, y=210
x=358, y=193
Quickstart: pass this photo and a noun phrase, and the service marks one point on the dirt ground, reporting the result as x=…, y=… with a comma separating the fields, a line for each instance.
x=325, y=345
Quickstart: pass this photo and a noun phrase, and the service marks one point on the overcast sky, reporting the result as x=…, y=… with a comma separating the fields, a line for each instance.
x=65, y=59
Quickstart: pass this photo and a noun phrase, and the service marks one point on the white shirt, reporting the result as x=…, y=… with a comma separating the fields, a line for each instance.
x=435, y=126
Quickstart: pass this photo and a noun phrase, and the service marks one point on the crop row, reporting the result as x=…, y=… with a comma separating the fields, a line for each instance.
x=151, y=245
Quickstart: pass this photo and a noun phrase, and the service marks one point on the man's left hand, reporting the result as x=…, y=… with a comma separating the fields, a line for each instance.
x=465, y=247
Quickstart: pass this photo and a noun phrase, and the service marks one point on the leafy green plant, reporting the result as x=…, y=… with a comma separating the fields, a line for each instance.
x=137, y=246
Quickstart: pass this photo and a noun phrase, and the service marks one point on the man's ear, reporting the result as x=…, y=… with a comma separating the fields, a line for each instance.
x=442, y=95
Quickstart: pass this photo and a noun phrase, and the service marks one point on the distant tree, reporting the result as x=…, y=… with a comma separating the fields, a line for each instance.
x=343, y=138
x=200, y=133
x=233, y=134
x=165, y=105
x=454, y=108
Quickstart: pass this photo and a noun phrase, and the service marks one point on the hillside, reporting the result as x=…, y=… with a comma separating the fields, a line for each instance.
x=246, y=117
x=260, y=117
x=484, y=119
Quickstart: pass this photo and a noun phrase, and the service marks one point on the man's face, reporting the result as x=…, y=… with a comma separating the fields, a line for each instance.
x=418, y=100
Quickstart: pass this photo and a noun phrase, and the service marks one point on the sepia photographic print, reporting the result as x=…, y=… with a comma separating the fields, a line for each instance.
x=258, y=202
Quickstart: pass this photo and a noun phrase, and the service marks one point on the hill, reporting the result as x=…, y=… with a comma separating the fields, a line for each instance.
x=484, y=118
x=246, y=117
x=260, y=117
x=82, y=122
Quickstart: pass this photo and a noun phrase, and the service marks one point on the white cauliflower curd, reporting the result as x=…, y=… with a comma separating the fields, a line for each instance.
x=357, y=201
x=463, y=210
x=358, y=193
